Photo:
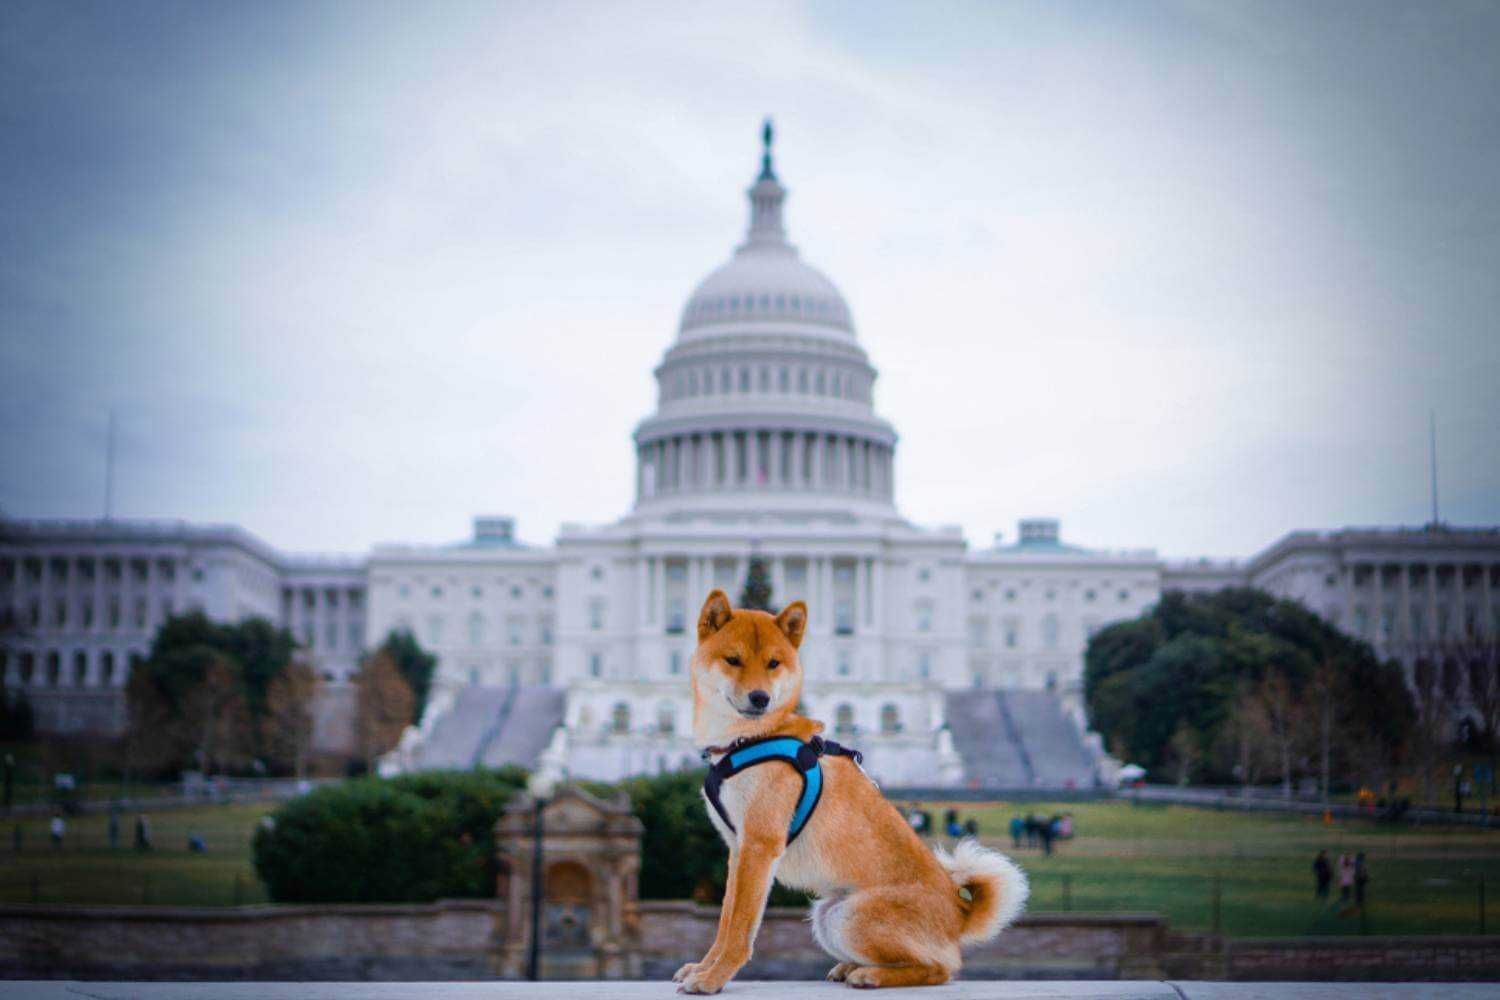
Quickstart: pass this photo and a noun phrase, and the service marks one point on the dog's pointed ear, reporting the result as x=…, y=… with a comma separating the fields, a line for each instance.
x=793, y=622
x=714, y=616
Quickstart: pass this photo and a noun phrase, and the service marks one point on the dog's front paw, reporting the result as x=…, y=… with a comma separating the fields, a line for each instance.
x=863, y=978
x=685, y=971
x=840, y=972
x=709, y=980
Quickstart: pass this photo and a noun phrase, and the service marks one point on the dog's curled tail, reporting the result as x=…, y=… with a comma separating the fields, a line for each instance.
x=997, y=888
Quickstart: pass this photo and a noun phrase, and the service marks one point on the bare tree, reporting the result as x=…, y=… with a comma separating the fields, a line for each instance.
x=288, y=723
x=1479, y=658
x=1437, y=691
x=1241, y=737
x=1278, y=719
x=1185, y=752
x=384, y=706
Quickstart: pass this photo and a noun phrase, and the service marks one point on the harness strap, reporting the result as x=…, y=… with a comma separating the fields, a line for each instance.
x=804, y=757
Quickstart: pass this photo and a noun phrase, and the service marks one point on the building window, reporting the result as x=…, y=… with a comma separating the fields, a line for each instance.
x=676, y=616
x=596, y=665
x=476, y=629
x=979, y=632
x=545, y=630
x=674, y=662
x=844, y=718
x=1050, y=631
x=924, y=574
x=1012, y=634
x=1124, y=596
x=666, y=718
x=515, y=628
x=547, y=592
x=515, y=592
x=435, y=630
x=354, y=635
x=1010, y=596
x=332, y=634
x=845, y=663
x=140, y=612
x=80, y=668
x=476, y=592
x=597, y=573
x=107, y=668
x=923, y=611
x=404, y=590
x=596, y=614
x=1089, y=595
x=620, y=717
x=890, y=719
x=843, y=617
x=924, y=665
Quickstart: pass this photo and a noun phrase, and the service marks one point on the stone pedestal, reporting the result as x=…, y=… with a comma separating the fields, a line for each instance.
x=591, y=860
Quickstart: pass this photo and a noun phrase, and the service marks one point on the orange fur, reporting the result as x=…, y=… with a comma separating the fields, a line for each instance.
x=889, y=909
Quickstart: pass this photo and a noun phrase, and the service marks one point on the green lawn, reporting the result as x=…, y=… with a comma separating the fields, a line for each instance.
x=1137, y=858
x=87, y=870
x=1167, y=859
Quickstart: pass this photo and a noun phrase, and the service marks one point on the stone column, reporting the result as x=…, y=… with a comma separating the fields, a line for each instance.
x=1432, y=614
x=1404, y=618
x=1379, y=591
x=774, y=478
x=1486, y=605
x=643, y=587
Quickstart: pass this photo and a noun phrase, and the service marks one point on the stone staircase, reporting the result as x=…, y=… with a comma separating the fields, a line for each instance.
x=526, y=729
x=1017, y=739
x=492, y=727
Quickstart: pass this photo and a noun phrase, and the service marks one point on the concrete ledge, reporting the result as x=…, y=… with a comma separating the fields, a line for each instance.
x=1074, y=990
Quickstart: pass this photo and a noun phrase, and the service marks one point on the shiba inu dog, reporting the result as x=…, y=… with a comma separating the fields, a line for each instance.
x=891, y=911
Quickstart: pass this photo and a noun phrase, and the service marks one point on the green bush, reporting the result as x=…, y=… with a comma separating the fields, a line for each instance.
x=682, y=855
x=410, y=839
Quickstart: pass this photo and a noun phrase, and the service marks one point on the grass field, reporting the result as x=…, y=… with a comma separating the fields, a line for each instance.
x=1147, y=858
x=87, y=870
x=1167, y=859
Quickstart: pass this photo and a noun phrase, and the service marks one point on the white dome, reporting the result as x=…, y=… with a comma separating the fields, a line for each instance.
x=767, y=283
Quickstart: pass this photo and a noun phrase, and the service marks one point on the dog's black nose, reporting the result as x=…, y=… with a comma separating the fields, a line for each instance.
x=759, y=699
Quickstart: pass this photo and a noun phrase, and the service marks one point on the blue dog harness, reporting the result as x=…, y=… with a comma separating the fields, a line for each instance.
x=804, y=757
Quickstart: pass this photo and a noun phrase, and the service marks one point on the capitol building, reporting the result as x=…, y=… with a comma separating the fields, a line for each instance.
x=946, y=663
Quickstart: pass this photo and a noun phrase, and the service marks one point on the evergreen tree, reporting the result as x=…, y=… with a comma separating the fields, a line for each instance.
x=757, y=592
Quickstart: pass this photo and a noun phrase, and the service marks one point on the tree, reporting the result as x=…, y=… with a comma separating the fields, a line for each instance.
x=287, y=726
x=217, y=718
x=415, y=664
x=1276, y=711
x=757, y=592
x=1193, y=658
x=1185, y=752
x=166, y=700
x=1437, y=688
x=384, y=706
x=1478, y=656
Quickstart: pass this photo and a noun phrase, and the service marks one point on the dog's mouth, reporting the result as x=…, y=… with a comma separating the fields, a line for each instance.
x=748, y=711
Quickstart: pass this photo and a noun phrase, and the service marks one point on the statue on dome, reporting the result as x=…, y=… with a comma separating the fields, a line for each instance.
x=766, y=137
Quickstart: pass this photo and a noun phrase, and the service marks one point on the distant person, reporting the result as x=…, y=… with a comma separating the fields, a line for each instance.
x=1032, y=832
x=142, y=833
x=1361, y=878
x=196, y=844
x=1065, y=827
x=971, y=827
x=1017, y=831
x=1323, y=873
x=1346, y=877
x=59, y=830
x=951, y=825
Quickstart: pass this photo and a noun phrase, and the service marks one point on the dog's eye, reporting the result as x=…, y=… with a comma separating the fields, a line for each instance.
x=733, y=661
x=773, y=664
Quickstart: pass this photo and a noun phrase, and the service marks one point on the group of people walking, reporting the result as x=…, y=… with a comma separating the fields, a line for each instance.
x=1352, y=872
x=1040, y=831
x=921, y=821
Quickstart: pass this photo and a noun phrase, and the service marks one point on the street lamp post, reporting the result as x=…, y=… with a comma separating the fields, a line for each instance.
x=540, y=786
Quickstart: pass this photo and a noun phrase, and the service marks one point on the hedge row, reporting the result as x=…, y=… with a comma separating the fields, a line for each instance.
x=431, y=836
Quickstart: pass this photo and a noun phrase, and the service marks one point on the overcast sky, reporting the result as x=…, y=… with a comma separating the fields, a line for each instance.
x=1185, y=275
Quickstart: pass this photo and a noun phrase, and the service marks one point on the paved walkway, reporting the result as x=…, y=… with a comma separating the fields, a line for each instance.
x=748, y=990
